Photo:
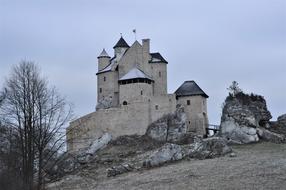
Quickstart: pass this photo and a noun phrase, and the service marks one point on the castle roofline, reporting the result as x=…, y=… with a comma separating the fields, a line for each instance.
x=134, y=74
x=103, y=54
x=190, y=88
x=157, y=58
x=121, y=43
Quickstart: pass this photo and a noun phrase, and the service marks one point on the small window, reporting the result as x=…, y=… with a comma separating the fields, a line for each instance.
x=189, y=122
x=141, y=92
x=100, y=90
x=124, y=103
x=104, y=78
x=188, y=102
x=159, y=73
x=156, y=107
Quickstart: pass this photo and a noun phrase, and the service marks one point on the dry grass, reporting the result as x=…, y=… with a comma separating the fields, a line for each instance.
x=257, y=166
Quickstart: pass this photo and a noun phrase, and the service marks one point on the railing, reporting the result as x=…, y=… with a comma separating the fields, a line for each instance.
x=213, y=128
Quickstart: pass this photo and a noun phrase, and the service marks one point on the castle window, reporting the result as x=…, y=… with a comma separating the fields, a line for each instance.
x=159, y=73
x=100, y=90
x=104, y=78
x=188, y=102
x=156, y=107
x=141, y=92
x=124, y=103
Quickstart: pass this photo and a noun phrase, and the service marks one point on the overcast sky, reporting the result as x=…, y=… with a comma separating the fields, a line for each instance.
x=211, y=42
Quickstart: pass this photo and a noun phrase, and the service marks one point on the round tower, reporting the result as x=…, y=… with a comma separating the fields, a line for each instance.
x=103, y=60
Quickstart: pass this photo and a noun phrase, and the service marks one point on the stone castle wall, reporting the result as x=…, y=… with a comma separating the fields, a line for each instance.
x=124, y=120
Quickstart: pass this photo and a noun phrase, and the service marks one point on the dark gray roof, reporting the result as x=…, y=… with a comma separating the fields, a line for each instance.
x=121, y=43
x=157, y=56
x=190, y=88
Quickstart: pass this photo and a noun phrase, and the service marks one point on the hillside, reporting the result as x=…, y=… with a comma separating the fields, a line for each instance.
x=256, y=166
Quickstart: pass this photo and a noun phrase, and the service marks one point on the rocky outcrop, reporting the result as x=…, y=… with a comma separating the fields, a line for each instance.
x=201, y=149
x=170, y=128
x=281, y=120
x=104, y=103
x=99, y=143
x=242, y=115
x=267, y=135
x=208, y=148
x=167, y=153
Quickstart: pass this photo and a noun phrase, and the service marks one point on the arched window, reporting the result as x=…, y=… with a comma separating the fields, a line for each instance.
x=159, y=73
x=104, y=78
x=124, y=103
x=141, y=92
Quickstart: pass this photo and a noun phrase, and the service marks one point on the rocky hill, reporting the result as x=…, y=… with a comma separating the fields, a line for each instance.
x=168, y=157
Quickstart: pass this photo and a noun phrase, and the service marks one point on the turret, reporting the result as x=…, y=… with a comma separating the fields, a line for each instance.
x=103, y=60
x=120, y=47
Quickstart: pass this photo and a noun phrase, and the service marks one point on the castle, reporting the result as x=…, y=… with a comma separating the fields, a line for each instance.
x=132, y=93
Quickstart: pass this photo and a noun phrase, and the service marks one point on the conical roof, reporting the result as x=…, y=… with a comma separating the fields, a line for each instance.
x=190, y=88
x=121, y=43
x=103, y=54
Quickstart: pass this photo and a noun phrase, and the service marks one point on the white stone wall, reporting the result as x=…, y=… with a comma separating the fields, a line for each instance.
x=132, y=92
x=124, y=120
x=162, y=105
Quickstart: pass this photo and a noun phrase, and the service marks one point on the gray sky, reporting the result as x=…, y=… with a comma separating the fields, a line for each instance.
x=211, y=42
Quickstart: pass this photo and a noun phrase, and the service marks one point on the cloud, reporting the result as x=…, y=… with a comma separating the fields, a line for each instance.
x=212, y=42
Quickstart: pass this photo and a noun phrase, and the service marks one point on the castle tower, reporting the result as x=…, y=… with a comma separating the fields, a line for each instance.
x=120, y=47
x=194, y=101
x=159, y=73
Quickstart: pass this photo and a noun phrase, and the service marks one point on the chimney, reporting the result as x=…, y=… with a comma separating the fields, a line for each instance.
x=146, y=56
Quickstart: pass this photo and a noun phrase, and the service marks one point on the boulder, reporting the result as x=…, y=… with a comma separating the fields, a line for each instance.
x=170, y=128
x=167, y=153
x=270, y=136
x=99, y=143
x=208, y=148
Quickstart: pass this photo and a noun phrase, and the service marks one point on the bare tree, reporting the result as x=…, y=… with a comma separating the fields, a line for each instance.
x=38, y=113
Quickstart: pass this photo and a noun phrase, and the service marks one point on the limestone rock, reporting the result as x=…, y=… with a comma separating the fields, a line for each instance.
x=167, y=153
x=238, y=134
x=208, y=148
x=270, y=136
x=281, y=120
x=241, y=117
x=120, y=169
x=104, y=103
x=99, y=143
x=169, y=128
